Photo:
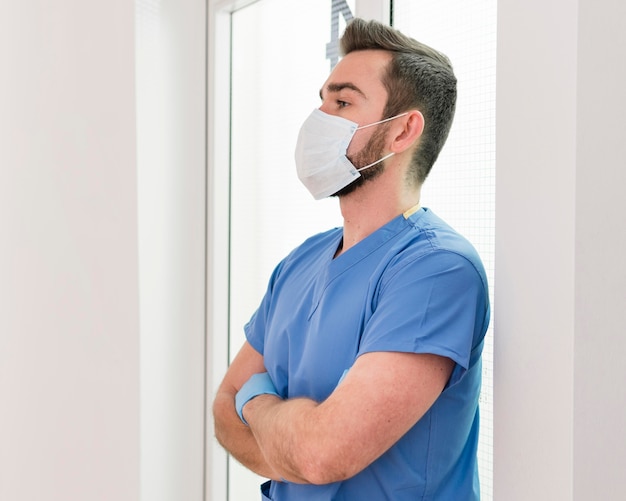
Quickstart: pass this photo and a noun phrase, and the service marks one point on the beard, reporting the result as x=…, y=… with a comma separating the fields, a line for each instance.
x=369, y=154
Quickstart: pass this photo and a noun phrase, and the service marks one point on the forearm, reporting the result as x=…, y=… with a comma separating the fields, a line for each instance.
x=236, y=437
x=284, y=432
x=320, y=443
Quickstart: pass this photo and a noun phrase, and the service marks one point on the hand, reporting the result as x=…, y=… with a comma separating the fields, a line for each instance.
x=258, y=384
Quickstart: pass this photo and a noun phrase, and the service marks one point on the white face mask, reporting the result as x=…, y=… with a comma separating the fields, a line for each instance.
x=321, y=160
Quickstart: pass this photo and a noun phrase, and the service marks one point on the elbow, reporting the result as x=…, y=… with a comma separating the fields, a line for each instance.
x=325, y=465
x=223, y=418
x=324, y=476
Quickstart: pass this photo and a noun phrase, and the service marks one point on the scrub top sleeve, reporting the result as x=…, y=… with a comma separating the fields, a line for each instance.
x=256, y=327
x=432, y=304
x=254, y=332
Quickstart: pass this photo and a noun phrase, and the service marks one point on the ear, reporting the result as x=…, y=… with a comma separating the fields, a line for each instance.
x=406, y=131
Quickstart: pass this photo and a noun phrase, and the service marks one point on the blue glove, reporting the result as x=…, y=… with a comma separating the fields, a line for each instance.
x=258, y=384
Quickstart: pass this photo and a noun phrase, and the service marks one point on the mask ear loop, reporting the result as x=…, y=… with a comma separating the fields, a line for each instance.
x=382, y=121
x=376, y=123
x=376, y=162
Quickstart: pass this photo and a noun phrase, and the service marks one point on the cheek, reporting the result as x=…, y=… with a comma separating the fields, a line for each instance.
x=359, y=141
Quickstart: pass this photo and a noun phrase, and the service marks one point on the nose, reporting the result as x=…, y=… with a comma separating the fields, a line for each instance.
x=325, y=107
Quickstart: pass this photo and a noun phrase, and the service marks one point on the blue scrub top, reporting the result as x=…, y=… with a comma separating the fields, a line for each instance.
x=415, y=285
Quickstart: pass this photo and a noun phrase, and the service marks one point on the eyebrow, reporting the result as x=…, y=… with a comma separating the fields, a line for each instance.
x=337, y=87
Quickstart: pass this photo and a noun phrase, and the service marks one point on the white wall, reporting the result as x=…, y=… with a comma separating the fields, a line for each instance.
x=600, y=293
x=218, y=173
x=69, y=323
x=84, y=414
x=560, y=247
x=171, y=100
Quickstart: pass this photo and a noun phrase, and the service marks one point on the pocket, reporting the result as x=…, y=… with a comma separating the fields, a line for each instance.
x=265, y=491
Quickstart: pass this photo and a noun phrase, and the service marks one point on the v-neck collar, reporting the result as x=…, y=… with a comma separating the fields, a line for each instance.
x=338, y=265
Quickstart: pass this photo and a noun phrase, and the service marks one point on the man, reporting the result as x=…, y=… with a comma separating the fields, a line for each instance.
x=361, y=371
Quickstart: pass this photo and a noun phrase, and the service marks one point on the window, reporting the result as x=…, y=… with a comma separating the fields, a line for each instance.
x=278, y=64
x=461, y=186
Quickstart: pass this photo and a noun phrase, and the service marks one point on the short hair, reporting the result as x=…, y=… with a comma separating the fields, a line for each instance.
x=417, y=77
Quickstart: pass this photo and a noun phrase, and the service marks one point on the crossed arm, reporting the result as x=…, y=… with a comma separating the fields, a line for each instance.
x=383, y=395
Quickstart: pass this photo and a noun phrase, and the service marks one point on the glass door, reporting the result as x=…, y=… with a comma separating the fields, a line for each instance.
x=461, y=186
x=282, y=52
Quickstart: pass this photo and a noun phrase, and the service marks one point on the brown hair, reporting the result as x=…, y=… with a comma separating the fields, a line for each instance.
x=417, y=77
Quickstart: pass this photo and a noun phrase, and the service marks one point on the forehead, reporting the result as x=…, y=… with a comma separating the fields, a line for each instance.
x=362, y=70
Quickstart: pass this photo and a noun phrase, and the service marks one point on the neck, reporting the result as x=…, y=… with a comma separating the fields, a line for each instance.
x=372, y=206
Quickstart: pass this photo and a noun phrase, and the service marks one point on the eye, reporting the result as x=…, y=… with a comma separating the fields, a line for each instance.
x=342, y=104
